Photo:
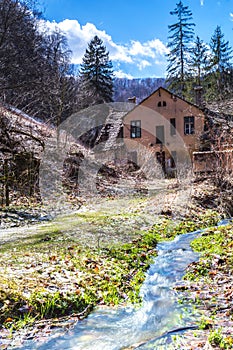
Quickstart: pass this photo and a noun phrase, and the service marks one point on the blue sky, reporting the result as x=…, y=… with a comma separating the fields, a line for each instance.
x=135, y=32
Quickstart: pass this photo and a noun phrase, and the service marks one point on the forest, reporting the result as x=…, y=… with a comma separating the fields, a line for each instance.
x=37, y=77
x=149, y=258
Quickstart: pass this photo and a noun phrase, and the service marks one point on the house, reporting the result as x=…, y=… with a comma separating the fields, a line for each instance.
x=167, y=125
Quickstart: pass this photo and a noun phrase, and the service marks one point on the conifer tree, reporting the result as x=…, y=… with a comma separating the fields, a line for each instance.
x=199, y=60
x=195, y=85
x=179, y=42
x=221, y=51
x=96, y=75
x=220, y=67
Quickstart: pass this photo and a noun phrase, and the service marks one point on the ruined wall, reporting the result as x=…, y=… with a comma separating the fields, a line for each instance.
x=213, y=161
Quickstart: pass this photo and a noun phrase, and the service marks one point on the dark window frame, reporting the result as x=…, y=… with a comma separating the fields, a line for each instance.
x=135, y=129
x=189, y=125
x=162, y=104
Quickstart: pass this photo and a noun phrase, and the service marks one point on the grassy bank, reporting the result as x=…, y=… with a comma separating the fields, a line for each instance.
x=57, y=272
x=210, y=288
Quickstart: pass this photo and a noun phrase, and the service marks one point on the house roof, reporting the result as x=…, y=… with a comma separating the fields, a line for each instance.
x=219, y=113
x=222, y=107
x=172, y=94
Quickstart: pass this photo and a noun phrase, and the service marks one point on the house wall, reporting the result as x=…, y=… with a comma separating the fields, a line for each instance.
x=152, y=115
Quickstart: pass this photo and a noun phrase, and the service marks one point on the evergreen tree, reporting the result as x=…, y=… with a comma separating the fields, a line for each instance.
x=220, y=67
x=199, y=60
x=179, y=41
x=221, y=51
x=96, y=75
x=198, y=63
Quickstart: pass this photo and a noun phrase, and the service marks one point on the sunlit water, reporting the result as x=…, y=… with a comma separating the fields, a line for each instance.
x=121, y=328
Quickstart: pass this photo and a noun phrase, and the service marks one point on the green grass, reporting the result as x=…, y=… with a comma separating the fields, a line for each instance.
x=110, y=276
x=82, y=260
x=213, y=242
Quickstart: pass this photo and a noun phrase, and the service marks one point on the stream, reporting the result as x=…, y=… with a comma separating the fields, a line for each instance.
x=149, y=326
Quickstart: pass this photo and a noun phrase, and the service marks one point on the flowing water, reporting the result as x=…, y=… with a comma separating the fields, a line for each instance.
x=146, y=327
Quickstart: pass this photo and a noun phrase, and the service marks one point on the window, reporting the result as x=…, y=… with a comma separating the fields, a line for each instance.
x=172, y=126
x=135, y=129
x=160, y=134
x=160, y=104
x=188, y=125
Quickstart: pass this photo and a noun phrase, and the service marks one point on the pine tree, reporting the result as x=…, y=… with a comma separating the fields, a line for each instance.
x=179, y=41
x=220, y=66
x=198, y=63
x=96, y=75
x=221, y=51
x=199, y=60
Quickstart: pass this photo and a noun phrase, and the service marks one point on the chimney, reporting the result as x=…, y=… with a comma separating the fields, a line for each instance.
x=198, y=95
x=132, y=99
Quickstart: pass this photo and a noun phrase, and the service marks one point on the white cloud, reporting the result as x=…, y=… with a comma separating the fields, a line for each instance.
x=150, y=48
x=202, y=2
x=121, y=74
x=78, y=37
x=139, y=54
x=231, y=15
x=136, y=48
x=143, y=64
x=158, y=46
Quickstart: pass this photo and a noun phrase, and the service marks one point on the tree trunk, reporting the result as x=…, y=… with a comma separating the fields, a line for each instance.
x=6, y=183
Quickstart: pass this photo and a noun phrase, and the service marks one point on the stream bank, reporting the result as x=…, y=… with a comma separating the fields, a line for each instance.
x=44, y=259
x=69, y=265
x=208, y=285
x=143, y=326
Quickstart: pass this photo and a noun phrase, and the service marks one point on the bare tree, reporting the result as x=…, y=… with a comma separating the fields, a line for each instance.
x=34, y=66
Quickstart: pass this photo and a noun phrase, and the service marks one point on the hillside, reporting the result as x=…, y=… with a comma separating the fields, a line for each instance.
x=141, y=88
